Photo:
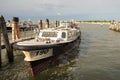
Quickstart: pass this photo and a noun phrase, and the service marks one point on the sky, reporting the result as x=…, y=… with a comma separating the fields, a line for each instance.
x=61, y=9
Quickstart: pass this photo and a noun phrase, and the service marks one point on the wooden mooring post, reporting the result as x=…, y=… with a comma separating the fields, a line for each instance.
x=56, y=23
x=40, y=25
x=0, y=46
x=6, y=40
x=15, y=29
x=47, y=23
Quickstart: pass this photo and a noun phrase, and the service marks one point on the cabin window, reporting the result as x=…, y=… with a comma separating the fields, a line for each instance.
x=63, y=35
x=49, y=34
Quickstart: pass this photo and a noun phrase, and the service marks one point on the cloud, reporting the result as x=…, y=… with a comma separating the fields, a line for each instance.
x=59, y=7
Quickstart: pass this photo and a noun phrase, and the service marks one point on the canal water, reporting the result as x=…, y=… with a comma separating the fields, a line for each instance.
x=96, y=58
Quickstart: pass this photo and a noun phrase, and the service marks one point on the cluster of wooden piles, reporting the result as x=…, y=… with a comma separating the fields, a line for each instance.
x=16, y=35
x=115, y=26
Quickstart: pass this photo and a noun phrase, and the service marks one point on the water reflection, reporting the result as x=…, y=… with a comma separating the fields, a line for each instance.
x=61, y=69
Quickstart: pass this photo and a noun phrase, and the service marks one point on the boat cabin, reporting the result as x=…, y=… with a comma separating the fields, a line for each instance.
x=58, y=34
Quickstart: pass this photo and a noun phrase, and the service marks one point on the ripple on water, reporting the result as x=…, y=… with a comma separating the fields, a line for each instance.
x=97, y=58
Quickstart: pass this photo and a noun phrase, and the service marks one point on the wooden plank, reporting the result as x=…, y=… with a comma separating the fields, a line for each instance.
x=11, y=43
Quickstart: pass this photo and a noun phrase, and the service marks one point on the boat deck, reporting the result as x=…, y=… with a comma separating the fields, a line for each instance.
x=33, y=42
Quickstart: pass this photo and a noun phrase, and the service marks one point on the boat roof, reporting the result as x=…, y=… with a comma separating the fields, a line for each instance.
x=58, y=29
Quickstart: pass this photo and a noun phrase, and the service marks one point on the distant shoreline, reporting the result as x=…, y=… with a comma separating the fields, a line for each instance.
x=84, y=22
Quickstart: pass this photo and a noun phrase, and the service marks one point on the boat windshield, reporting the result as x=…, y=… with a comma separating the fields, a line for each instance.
x=49, y=34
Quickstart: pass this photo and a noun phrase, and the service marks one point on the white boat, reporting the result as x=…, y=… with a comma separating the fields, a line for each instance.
x=48, y=44
x=115, y=26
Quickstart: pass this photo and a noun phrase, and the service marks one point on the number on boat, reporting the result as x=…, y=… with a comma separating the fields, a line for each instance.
x=40, y=52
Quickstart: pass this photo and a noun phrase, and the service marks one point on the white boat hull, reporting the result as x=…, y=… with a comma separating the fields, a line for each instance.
x=37, y=54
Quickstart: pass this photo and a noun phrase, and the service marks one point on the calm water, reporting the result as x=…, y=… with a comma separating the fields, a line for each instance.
x=96, y=58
